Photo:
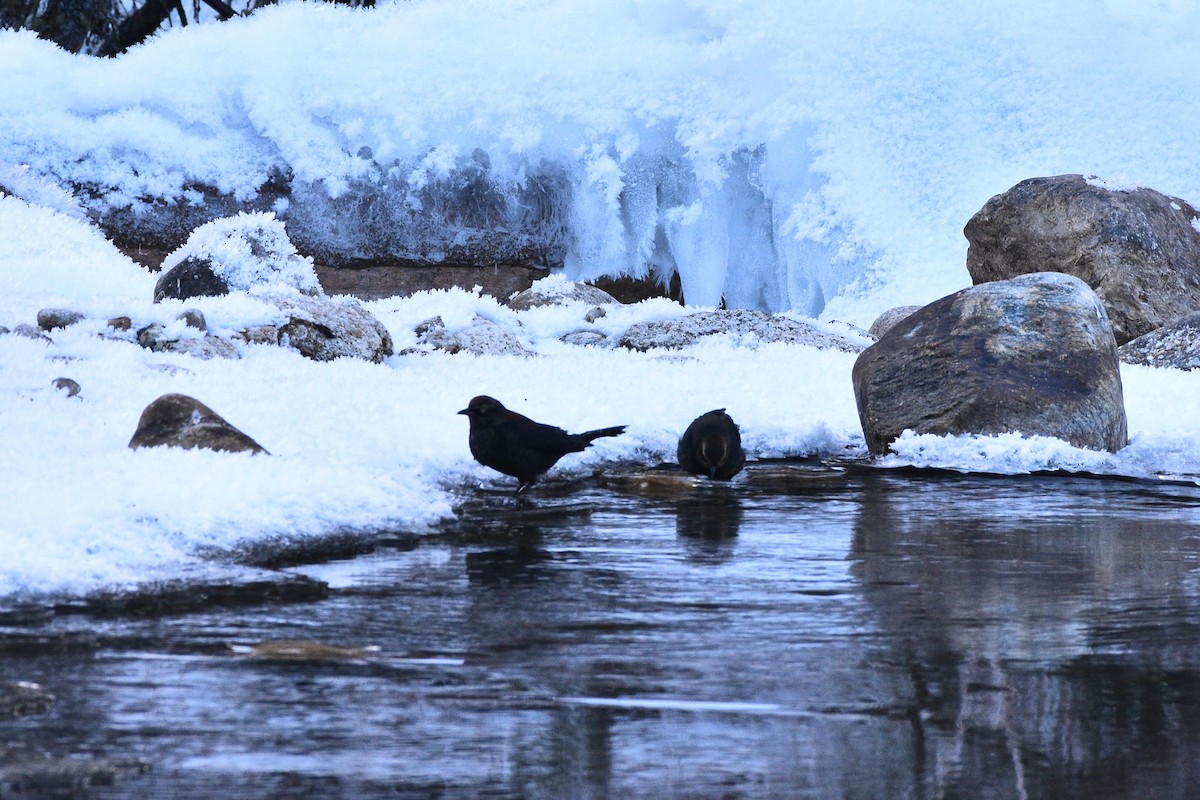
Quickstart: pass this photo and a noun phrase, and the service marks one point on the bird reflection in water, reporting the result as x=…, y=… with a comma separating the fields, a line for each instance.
x=708, y=523
x=521, y=560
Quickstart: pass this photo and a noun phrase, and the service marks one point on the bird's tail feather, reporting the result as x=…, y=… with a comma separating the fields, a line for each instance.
x=616, y=430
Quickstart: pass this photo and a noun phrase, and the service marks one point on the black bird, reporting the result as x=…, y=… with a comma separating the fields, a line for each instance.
x=712, y=446
x=514, y=444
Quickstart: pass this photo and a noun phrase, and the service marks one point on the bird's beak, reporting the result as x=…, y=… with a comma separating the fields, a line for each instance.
x=464, y=411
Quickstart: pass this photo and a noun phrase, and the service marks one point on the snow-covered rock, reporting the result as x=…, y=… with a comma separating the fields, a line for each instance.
x=744, y=324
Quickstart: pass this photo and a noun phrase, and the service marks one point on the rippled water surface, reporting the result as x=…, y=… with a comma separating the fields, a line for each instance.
x=805, y=632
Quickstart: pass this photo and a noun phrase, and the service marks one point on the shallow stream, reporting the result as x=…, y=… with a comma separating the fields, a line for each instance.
x=808, y=631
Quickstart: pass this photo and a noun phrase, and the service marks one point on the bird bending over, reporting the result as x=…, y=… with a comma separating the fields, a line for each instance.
x=712, y=446
x=514, y=444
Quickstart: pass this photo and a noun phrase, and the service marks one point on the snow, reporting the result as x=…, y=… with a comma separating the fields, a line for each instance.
x=814, y=158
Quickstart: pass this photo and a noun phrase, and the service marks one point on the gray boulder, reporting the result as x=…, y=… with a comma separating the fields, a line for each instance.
x=741, y=323
x=324, y=328
x=1176, y=346
x=1034, y=354
x=1137, y=248
x=176, y=420
x=885, y=321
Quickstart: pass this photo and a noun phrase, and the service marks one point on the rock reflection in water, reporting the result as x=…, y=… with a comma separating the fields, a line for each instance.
x=1050, y=636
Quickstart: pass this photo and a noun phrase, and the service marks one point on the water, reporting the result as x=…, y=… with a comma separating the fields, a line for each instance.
x=806, y=632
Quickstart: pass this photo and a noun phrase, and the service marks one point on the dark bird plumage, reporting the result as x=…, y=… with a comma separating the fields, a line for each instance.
x=514, y=444
x=712, y=446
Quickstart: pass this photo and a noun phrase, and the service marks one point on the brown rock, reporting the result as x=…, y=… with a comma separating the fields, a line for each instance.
x=1034, y=354
x=1137, y=249
x=176, y=420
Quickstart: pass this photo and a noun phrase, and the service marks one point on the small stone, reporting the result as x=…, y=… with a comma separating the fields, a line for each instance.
x=30, y=332
x=153, y=336
x=585, y=338
x=429, y=325
x=206, y=347
x=259, y=334
x=72, y=388
x=120, y=323
x=194, y=318
x=599, y=312
x=49, y=319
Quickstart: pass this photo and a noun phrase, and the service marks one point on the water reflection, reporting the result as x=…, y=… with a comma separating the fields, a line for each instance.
x=1049, y=629
x=713, y=515
x=522, y=559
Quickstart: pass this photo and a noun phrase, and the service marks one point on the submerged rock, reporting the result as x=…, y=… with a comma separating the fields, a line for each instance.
x=20, y=698
x=1137, y=248
x=1034, y=354
x=301, y=650
x=742, y=323
x=29, y=772
x=176, y=420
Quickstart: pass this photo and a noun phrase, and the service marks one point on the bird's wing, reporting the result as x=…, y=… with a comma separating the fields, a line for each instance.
x=551, y=439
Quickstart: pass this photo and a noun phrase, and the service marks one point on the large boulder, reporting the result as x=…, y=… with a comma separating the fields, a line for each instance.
x=176, y=420
x=1137, y=248
x=1034, y=354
